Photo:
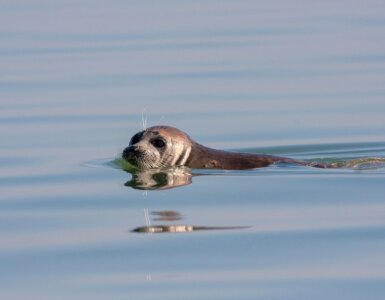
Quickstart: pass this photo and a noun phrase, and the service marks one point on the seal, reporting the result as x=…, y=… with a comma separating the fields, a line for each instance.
x=160, y=147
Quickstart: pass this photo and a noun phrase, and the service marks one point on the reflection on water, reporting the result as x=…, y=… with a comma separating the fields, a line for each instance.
x=182, y=228
x=166, y=215
x=171, y=216
x=152, y=179
x=155, y=179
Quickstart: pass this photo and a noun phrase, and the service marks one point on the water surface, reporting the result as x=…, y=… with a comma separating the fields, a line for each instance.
x=303, y=79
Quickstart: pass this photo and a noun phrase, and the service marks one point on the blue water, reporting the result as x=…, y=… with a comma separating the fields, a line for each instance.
x=303, y=79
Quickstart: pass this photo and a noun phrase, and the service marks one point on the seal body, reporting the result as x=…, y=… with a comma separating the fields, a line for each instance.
x=164, y=146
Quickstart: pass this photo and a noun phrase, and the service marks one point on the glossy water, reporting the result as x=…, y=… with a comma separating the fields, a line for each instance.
x=304, y=79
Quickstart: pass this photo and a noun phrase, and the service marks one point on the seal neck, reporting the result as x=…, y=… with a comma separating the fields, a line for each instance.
x=202, y=157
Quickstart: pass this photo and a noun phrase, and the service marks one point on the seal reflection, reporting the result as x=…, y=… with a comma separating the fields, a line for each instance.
x=171, y=216
x=162, y=179
x=155, y=179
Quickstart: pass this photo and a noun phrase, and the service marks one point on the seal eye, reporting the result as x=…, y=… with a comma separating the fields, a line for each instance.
x=158, y=143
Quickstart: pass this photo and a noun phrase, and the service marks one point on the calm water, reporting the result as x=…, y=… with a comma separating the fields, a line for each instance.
x=304, y=79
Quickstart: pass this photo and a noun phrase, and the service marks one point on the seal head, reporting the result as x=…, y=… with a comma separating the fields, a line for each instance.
x=158, y=147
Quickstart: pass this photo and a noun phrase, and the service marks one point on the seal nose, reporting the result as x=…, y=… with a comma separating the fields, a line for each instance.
x=129, y=152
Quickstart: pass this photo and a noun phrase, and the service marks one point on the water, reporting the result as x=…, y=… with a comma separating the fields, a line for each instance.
x=303, y=79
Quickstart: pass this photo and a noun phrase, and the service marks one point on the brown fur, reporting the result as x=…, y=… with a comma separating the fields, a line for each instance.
x=202, y=157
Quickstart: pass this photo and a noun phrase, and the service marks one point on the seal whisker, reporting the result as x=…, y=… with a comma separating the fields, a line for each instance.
x=144, y=119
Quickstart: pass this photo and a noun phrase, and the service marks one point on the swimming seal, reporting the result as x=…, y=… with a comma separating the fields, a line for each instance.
x=164, y=146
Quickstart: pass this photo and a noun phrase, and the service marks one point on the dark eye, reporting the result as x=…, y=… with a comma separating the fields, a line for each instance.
x=136, y=138
x=158, y=143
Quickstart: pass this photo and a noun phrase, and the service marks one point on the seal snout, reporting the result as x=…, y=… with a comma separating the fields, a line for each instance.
x=130, y=152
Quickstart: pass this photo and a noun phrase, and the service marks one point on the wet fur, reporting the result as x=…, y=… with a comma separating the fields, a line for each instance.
x=200, y=157
x=207, y=158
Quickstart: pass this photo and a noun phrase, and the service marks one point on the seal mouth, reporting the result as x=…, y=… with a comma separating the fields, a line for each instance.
x=138, y=158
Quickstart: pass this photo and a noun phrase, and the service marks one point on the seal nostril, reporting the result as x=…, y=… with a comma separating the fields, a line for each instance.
x=127, y=151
